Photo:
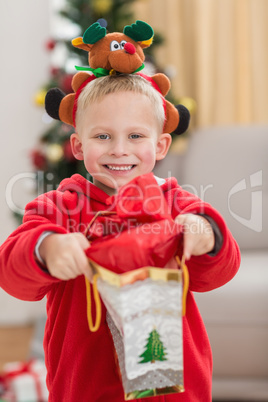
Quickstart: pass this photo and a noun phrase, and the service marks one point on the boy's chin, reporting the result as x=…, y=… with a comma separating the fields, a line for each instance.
x=111, y=187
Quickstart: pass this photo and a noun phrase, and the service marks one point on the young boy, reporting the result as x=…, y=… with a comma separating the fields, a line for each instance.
x=119, y=135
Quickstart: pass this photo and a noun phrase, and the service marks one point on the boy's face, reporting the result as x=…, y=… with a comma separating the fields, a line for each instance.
x=119, y=139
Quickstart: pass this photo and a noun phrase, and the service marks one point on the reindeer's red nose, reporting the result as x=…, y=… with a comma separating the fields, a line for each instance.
x=129, y=48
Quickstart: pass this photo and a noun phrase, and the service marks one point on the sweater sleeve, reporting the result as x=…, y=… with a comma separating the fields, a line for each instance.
x=208, y=272
x=20, y=274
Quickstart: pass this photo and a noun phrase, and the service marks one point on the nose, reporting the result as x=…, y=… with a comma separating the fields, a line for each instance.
x=130, y=48
x=119, y=148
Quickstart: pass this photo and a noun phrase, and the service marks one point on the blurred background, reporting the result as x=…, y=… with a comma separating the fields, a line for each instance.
x=215, y=54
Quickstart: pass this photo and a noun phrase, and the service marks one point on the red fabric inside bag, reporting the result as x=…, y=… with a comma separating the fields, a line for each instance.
x=140, y=232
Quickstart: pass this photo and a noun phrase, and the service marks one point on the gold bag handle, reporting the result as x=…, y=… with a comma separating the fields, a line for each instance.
x=93, y=328
x=185, y=274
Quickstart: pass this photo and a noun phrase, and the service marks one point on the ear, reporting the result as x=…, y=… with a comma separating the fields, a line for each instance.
x=76, y=146
x=78, y=42
x=146, y=43
x=162, y=146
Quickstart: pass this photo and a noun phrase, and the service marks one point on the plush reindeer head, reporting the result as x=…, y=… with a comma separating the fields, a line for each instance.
x=116, y=52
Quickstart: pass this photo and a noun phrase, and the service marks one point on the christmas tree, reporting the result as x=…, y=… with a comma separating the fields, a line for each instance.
x=154, y=349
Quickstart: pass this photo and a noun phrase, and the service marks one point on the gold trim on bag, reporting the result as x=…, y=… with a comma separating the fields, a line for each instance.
x=186, y=281
x=154, y=273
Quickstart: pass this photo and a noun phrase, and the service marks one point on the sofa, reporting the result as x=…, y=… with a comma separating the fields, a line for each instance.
x=228, y=167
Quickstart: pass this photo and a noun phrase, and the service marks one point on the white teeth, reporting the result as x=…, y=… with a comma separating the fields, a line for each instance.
x=119, y=167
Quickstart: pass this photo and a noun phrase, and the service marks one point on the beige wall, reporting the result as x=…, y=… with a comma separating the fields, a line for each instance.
x=24, y=28
x=24, y=66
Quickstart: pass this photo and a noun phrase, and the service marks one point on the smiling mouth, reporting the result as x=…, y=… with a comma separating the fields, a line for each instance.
x=120, y=168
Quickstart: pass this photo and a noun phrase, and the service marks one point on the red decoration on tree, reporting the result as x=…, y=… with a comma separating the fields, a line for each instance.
x=38, y=159
x=54, y=71
x=67, y=150
x=66, y=82
x=50, y=44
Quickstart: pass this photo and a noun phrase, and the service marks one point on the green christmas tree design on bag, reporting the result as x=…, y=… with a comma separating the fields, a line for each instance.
x=154, y=349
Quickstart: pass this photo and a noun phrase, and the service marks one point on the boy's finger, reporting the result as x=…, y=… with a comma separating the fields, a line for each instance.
x=82, y=240
x=83, y=265
x=187, y=246
x=87, y=270
x=180, y=219
x=89, y=274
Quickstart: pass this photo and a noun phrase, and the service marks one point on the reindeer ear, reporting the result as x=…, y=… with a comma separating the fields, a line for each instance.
x=141, y=32
x=78, y=42
x=145, y=43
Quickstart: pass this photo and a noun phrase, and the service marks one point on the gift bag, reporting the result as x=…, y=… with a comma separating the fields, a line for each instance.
x=144, y=315
x=131, y=249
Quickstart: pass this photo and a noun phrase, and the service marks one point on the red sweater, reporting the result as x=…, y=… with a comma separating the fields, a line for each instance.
x=80, y=364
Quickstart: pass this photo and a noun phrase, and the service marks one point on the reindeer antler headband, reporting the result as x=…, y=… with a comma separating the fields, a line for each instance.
x=114, y=53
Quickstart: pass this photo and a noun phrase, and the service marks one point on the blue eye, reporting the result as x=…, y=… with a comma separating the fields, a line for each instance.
x=134, y=136
x=103, y=136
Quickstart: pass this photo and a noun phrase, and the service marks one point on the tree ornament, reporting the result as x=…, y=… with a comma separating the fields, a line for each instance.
x=66, y=83
x=102, y=6
x=67, y=150
x=103, y=23
x=189, y=103
x=155, y=349
x=39, y=97
x=50, y=44
x=54, y=71
x=54, y=152
x=38, y=159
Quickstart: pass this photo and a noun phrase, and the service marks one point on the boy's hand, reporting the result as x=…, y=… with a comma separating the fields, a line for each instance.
x=64, y=255
x=198, y=236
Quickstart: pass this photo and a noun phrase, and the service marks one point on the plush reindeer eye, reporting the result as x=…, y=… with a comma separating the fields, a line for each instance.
x=114, y=45
x=122, y=44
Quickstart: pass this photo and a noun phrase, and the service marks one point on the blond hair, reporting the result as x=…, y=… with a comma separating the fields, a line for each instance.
x=98, y=88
